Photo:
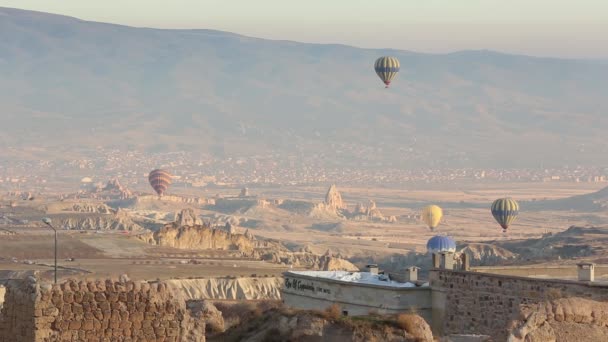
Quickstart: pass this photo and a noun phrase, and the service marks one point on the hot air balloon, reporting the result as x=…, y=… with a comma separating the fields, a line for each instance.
x=386, y=68
x=505, y=211
x=440, y=243
x=160, y=181
x=431, y=215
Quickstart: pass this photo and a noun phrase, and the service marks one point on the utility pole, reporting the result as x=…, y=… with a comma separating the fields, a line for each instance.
x=48, y=222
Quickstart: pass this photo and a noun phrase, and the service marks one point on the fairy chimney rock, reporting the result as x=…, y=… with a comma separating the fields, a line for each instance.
x=333, y=199
x=187, y=217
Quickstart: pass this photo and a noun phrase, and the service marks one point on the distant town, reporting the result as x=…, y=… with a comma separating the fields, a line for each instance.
x=192, y=171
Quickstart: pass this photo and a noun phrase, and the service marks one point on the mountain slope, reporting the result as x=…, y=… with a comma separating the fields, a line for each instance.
x=595, y=201
x=227, y=94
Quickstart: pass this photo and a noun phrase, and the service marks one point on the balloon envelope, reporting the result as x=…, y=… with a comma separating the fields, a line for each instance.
x=387, y=68
x=159, y=180
x=438, y=244
x=505, y=210
x=432, y=215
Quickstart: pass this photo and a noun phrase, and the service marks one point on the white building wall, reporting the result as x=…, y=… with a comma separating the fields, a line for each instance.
x=313, y=293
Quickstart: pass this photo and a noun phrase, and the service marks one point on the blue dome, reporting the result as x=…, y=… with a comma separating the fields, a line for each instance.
x=439, y=243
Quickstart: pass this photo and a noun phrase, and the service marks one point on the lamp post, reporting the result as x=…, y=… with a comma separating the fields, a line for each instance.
x=48, y=222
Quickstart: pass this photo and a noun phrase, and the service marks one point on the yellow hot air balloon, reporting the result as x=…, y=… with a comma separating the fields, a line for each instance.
x=431, y=215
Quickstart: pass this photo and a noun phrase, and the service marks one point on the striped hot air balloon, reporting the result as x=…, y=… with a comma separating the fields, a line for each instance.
x=505, y=210
x=431, y=215
x=160, y=181
x=387, y=68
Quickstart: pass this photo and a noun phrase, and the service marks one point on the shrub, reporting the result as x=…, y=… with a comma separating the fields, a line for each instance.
x=553, y=293
x=333, y=312
x=406, y=322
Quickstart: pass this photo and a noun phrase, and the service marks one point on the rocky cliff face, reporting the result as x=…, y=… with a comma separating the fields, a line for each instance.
x=116, y=221
x=227, y=289
x=564, y=319
x=487, y=254
x=289, y=325
x=92, y=208
x=198, y=237
x=207, y=237
x=187, y=217
x=306, y=259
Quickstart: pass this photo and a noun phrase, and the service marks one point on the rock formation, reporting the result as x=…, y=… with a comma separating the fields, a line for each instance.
x=249, y=235
x=564, y=319
x=310, y=260
x=114, y=186
x=330, y=263
x=187, y=217
x=280, y=325
x=369, y=212
x=207, y=312
x=199, y=237
x=242, y=288
x=121, y=220
x=97, y=208
x=487, y=254
x=144, y=199
x=207, y=237
x=333, y=199
x=229, y=228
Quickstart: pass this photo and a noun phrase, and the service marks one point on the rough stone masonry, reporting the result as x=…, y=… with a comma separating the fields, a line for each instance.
x=95, y=311
x=481, y=303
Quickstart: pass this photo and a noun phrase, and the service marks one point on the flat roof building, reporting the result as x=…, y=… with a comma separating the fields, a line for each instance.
x=357, y=293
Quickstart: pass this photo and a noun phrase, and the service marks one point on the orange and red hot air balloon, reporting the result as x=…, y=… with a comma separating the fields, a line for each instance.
x=160, y=181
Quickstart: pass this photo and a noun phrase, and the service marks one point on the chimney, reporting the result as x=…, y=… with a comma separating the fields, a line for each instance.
x=411, y=274
x=372, y=268
x=447, y=260
x=586, y=271
x=466, y=262
x=436, y=260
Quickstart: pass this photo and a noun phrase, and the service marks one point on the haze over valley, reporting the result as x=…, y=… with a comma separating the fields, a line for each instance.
x=225, y=95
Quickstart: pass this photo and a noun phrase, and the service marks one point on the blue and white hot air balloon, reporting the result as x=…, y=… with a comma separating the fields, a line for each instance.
x=441, y=243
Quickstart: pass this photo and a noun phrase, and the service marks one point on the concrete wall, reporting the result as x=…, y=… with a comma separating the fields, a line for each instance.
x=94, y=311
x=568, y=272
x=305, y=292
x=481, y=303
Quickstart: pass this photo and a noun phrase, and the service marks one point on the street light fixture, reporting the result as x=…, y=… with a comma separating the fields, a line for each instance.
x=48, y=222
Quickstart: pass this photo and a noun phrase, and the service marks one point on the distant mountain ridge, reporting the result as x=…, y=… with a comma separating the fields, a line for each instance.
x=595, y=201
x=226, y=94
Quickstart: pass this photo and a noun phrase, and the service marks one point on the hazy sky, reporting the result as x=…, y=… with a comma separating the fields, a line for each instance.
x=566, y=28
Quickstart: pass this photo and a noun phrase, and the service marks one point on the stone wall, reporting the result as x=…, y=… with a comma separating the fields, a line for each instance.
x=481, y=303
x=567, y=272
x=94, y=311
x=17, y=321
